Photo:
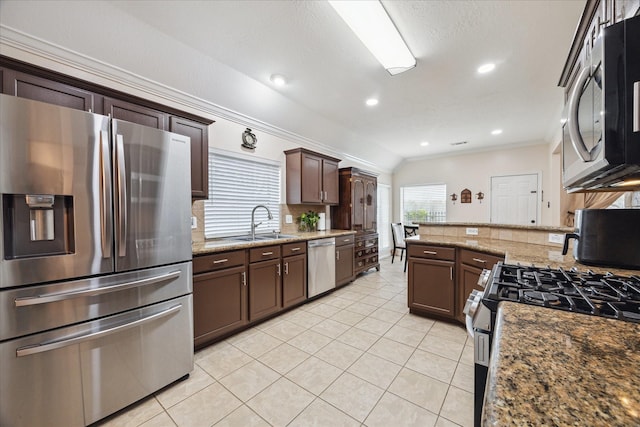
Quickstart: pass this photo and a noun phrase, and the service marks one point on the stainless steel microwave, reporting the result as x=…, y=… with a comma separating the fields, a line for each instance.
x=601, y=135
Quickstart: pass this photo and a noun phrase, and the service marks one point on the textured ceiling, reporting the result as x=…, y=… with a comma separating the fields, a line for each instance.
x=443, y=100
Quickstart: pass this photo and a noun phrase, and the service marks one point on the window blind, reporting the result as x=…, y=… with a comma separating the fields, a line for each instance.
x=424, y=203
x=236, y=185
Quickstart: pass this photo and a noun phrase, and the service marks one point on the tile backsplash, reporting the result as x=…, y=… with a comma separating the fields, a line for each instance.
x=197, y=210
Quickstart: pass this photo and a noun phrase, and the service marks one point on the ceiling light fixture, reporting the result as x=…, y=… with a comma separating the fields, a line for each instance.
x=278, y=80
x=424, y=143
x=373, y=26
x=486, y=68
x=496, y=132
x=371, y=102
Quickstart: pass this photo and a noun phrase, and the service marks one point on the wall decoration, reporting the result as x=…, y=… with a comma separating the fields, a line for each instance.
x=249, y=139
x=454, y=197
x=480, y=196
x=465, y=196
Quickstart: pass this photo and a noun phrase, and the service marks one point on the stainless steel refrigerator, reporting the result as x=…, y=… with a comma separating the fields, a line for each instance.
x=95, y=263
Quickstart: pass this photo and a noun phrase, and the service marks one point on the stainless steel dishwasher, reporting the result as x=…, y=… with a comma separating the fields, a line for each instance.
x=321, y=266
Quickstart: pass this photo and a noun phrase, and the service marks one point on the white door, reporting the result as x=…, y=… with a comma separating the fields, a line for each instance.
x=514, y=199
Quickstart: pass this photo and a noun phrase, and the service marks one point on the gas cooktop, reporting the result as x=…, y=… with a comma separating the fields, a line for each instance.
x=604, y=295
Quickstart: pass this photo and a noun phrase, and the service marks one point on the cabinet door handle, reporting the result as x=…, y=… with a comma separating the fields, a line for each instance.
x=479, y=260
x=267, y=253
x=451, y=273
x=430, y=252
x=295, y=249
x=337, y=256
x=286, y=268
x=279, y=273
x=220, y=261
x=244, y=279
x=320, y=194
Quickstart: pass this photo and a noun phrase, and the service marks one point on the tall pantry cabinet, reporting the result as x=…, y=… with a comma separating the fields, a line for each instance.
x=357, y=211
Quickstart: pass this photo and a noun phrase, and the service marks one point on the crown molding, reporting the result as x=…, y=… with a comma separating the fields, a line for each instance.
x=22, y=46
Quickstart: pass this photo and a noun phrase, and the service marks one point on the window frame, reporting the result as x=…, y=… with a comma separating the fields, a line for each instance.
x=439, y=190
x=227, y=211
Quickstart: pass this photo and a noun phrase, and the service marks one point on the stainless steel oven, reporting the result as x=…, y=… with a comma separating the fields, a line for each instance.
x=601, y=136
x=585, y=292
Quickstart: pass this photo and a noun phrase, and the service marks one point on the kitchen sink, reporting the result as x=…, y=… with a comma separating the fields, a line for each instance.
x=260, y=237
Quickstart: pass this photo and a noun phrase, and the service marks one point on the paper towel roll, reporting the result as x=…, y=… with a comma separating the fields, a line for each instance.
x=322, y=223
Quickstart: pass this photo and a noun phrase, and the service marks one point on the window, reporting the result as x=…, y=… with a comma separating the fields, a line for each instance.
x=384, y=222
x=237, y=184
x=423, y=203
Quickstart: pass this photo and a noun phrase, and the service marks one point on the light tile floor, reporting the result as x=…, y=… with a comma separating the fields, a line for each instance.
x=353, y=358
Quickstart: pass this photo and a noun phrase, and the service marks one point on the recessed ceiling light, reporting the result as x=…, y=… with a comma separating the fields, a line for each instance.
x=496, y=132
x=278, y=80
x=371, y=102
x=424, y=143
x=486, y=68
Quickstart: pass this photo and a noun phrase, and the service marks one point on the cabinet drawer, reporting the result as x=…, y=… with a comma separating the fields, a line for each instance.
x=344, y=240
x=296, y=248
x=218, y=261
x=432, y=252
x=478, y=259
x=264, y=253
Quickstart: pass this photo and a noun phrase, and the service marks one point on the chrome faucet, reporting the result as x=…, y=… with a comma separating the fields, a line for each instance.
x=253, y=222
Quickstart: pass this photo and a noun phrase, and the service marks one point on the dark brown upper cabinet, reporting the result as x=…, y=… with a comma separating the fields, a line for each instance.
x=29, y=81
x=44, y=90
x=199, y=134
x=123, y=110
x=312, y=178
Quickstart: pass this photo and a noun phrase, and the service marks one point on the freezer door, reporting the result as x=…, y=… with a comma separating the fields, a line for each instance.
x=56, y=201
x=31, y=309
x=152, y=196
x=76, y=375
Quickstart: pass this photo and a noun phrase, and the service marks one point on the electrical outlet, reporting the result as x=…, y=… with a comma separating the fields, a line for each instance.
x=556, y=238
x=288, y=219
x=472, y=231
x=194, y=222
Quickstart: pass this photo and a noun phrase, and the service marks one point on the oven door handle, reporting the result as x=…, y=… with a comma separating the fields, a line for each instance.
x=62, y=296
x=54, y=345
x=574, y=129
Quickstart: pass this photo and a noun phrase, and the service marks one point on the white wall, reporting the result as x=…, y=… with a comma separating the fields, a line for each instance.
x=474, y=171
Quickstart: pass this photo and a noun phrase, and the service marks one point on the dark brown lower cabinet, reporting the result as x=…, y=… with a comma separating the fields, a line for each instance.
x=265, y=290
x=219, y=296
x=345, y=250
x=294, y=280
x=468, y=282
x=431, y=286
x=471, y=265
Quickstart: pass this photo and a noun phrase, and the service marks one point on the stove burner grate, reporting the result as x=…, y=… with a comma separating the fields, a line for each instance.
x=605, y=295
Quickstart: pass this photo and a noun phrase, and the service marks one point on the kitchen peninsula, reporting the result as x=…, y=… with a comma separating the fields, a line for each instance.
x=546, y=365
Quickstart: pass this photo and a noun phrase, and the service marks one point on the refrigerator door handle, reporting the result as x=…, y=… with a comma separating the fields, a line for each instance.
x=54, y=345
x=105, y=184
x=122, y=197
x=63, y=296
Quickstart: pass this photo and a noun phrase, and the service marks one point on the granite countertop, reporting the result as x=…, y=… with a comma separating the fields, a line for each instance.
x=221, y=245
x=518, y=252
x=551, y=228
x=556, y=368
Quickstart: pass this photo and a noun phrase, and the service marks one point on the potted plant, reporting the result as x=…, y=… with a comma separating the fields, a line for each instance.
x=308, y=221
